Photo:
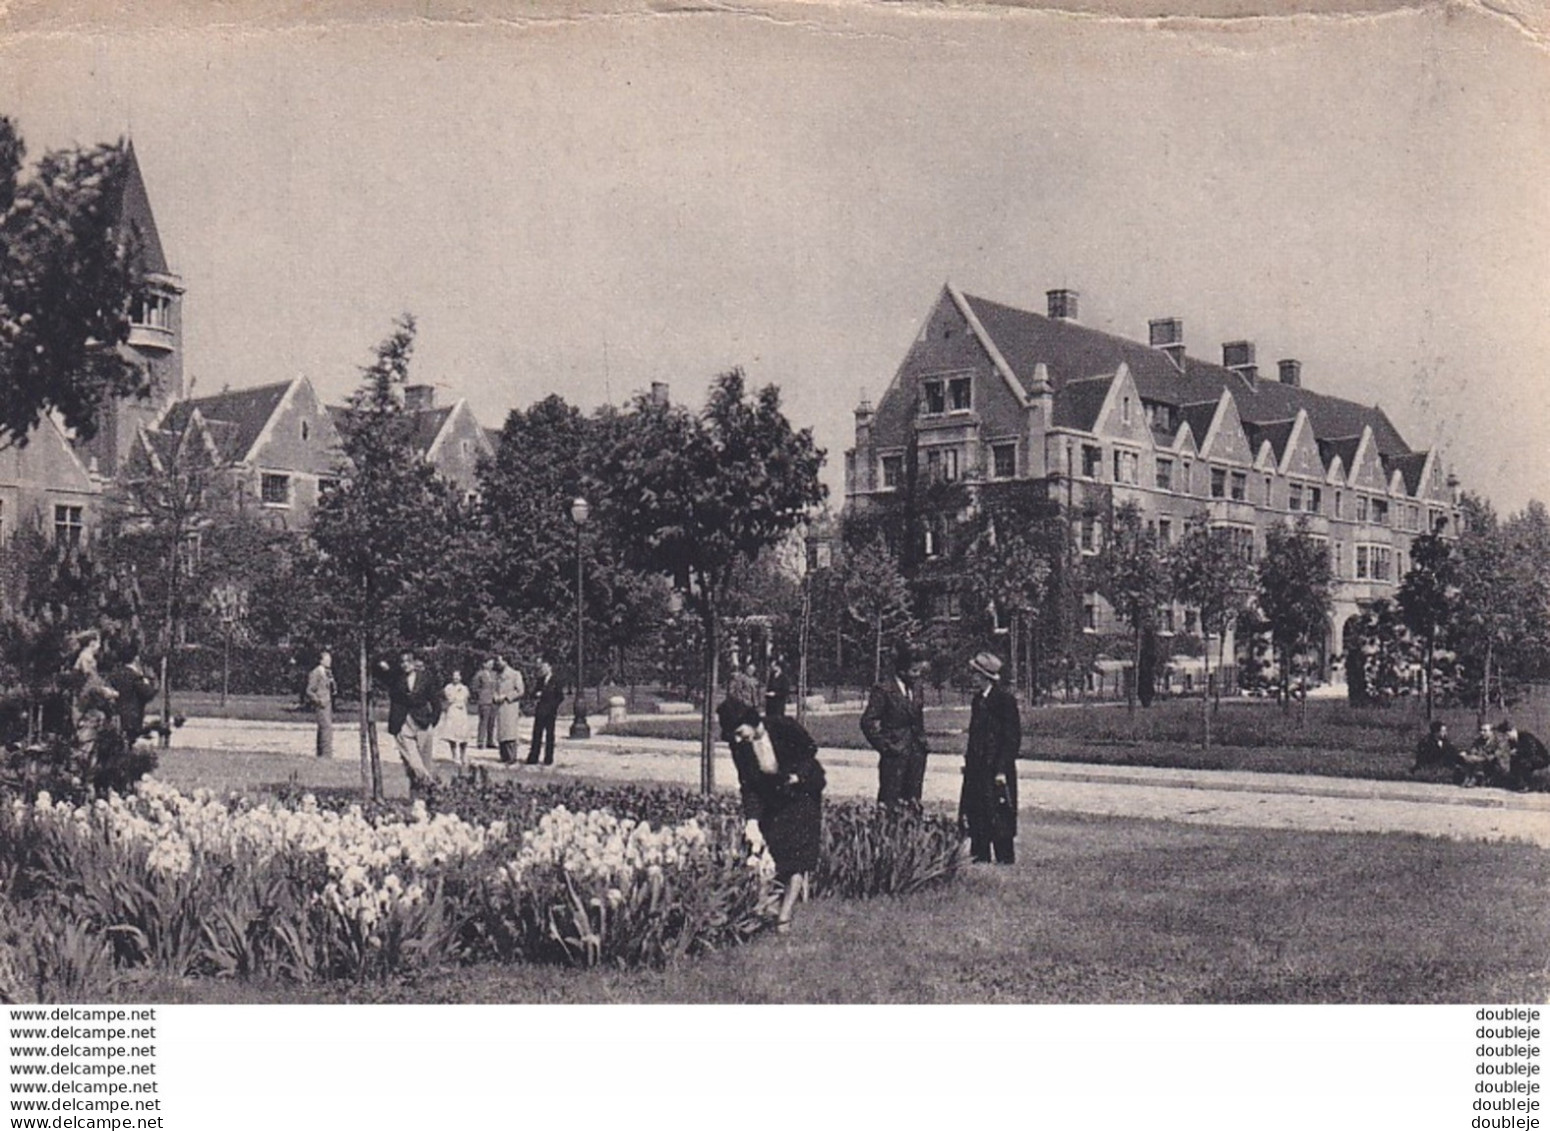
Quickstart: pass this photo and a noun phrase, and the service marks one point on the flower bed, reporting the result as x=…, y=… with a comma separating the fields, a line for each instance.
x=303, y=891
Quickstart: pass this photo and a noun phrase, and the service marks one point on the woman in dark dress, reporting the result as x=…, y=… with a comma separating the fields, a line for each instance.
x=782, y=788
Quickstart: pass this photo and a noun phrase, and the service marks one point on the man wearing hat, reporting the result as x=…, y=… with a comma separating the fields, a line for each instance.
x=894, y=723
x=987, y=808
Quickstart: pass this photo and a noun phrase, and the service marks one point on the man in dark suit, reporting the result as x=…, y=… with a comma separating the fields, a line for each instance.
x=1528, y=755
x=894, y=723
x=1435, y=756
x=987, y=807
x=135, y=690
x=548, y=692
x=413, y=708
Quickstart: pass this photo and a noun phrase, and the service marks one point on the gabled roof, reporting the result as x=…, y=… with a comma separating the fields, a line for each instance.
x=235, y=418
x=1411, y=467
x=1079, y=403
x=428, y=424
x=1344, y=447
x=1199, y=417
x=1276, y=432
x=1073, y=352
x=134, y=211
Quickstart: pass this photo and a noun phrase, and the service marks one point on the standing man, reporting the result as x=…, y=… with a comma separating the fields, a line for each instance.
x=777, y=692
x=321, y=690
x=413, y=708
x=548, y=692
x=509, y=690
x=484, y=698
x=987, y=807
x=894, y=723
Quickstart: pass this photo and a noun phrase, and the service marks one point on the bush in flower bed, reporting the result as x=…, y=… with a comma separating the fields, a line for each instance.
x=303, y=891
x=870, y=850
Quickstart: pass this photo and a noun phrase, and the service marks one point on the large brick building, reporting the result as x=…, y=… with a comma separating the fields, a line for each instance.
x=990, y=392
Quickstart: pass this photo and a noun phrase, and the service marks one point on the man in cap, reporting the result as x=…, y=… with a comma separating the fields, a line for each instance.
x=894, y=723
x=987, y=807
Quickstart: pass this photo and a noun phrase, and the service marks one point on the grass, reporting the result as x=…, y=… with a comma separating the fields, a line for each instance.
x=1333, y=739
x=1100, y=910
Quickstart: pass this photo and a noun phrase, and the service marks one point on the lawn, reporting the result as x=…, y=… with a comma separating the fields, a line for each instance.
x=1099, y=910
x=1256, y=735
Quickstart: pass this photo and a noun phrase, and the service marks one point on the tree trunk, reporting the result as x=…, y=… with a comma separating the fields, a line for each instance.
x=1430, y=653
x=877, y=651
x=1205, y=692
x=1014, y=637
x=1485, y=685
x=707, y=709
x=365, y=721
x=1135, y=672
x=225, y=666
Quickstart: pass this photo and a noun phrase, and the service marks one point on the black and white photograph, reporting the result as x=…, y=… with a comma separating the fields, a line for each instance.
x=840, y=504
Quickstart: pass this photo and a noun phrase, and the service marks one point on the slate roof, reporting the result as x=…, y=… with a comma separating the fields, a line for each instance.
x=1278, y=432
x=1072, y=352
x=1410, y=466
x=1078, y=403
x=1199, y=416
x=1345, y=448
x=134, y=210
x=428, y=424
x=235, y=418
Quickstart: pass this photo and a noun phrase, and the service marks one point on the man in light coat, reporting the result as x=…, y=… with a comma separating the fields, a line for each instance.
x=509, y=690
x=321, y=690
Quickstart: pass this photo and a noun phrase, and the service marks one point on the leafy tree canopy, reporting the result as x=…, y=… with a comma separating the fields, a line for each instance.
x=67, y=272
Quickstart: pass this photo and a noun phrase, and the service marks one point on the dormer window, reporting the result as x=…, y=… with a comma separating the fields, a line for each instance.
x=935, y=398
x=960, y=394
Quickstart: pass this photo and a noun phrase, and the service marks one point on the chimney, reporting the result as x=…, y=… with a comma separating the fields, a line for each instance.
x=1062, y=305
x=1291, y=371
x=1239, y=357
x=659, y=393
x=418, y=398
x=1168, y=336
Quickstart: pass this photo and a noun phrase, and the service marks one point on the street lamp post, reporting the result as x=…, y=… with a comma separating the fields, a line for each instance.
x=580, y=509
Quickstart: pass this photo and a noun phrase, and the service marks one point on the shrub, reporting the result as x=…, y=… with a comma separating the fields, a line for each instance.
x=871, y=850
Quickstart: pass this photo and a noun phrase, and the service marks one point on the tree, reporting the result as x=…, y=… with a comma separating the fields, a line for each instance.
x=1213, y=577
x=523, y=569
x=1009, y=572
x=692, y=495
x=382, y=530
x=877, y=597
x=51, y=592
x=68, y=270
x=1379, y=654
x=1294, y=594
x=1131, y=573
x=1501, y=619
x=1428, y=596
x=176, y=477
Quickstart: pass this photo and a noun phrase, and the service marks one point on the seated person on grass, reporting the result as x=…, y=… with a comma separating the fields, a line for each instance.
x=1527, y=755
x=1482, y=763
x=1435, y=757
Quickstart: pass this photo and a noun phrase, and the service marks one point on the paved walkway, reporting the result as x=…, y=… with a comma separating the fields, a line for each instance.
x=1210, y=797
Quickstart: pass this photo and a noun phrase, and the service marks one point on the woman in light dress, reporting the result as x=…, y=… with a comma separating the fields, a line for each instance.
x=454, y=718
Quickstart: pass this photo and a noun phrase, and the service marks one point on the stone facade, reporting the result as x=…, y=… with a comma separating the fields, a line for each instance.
x=990, y=392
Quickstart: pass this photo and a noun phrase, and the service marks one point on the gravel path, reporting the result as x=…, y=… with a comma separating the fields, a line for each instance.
x=1278, y=801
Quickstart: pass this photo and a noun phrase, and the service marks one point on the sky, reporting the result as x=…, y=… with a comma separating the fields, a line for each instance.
x=588, y=204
